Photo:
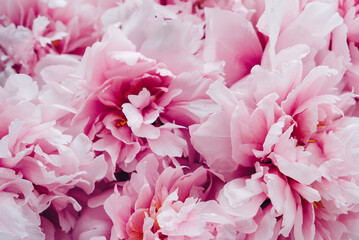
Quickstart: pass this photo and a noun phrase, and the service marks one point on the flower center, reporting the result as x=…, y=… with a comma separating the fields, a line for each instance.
x=120, y=122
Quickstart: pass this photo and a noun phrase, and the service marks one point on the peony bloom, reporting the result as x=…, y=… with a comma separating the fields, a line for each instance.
x=337, y=210
x=38, y=145
x=52, y=161
x=19, y=218
x=130, y=103
x=32, y=29
x=128, y=94
x=55, y=164
x=164, y=203
x=266, y=140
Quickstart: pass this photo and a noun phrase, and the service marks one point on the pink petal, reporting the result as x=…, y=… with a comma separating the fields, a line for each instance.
x=168, y=144
x=240, y=49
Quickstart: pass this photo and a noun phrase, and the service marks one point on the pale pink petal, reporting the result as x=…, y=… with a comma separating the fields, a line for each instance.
x=133, y=116
x=304, y=227
x=168, y=144
x=240, y=49
x=141, y=100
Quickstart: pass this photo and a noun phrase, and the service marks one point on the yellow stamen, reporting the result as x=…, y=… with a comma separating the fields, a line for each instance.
x=318, y=205
x=312, y=141
x=320, y=124
x=121, y=122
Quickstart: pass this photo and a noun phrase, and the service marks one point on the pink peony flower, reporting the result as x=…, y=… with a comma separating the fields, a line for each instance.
x=158, y=204
x=32, y=29
x=19, y=218
x=52, y=161
x=53, y=164
x=269, y=140
x=134, y=103
x=39, y=145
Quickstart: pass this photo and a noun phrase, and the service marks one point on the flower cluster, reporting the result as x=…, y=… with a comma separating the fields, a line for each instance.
x=179, y=119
